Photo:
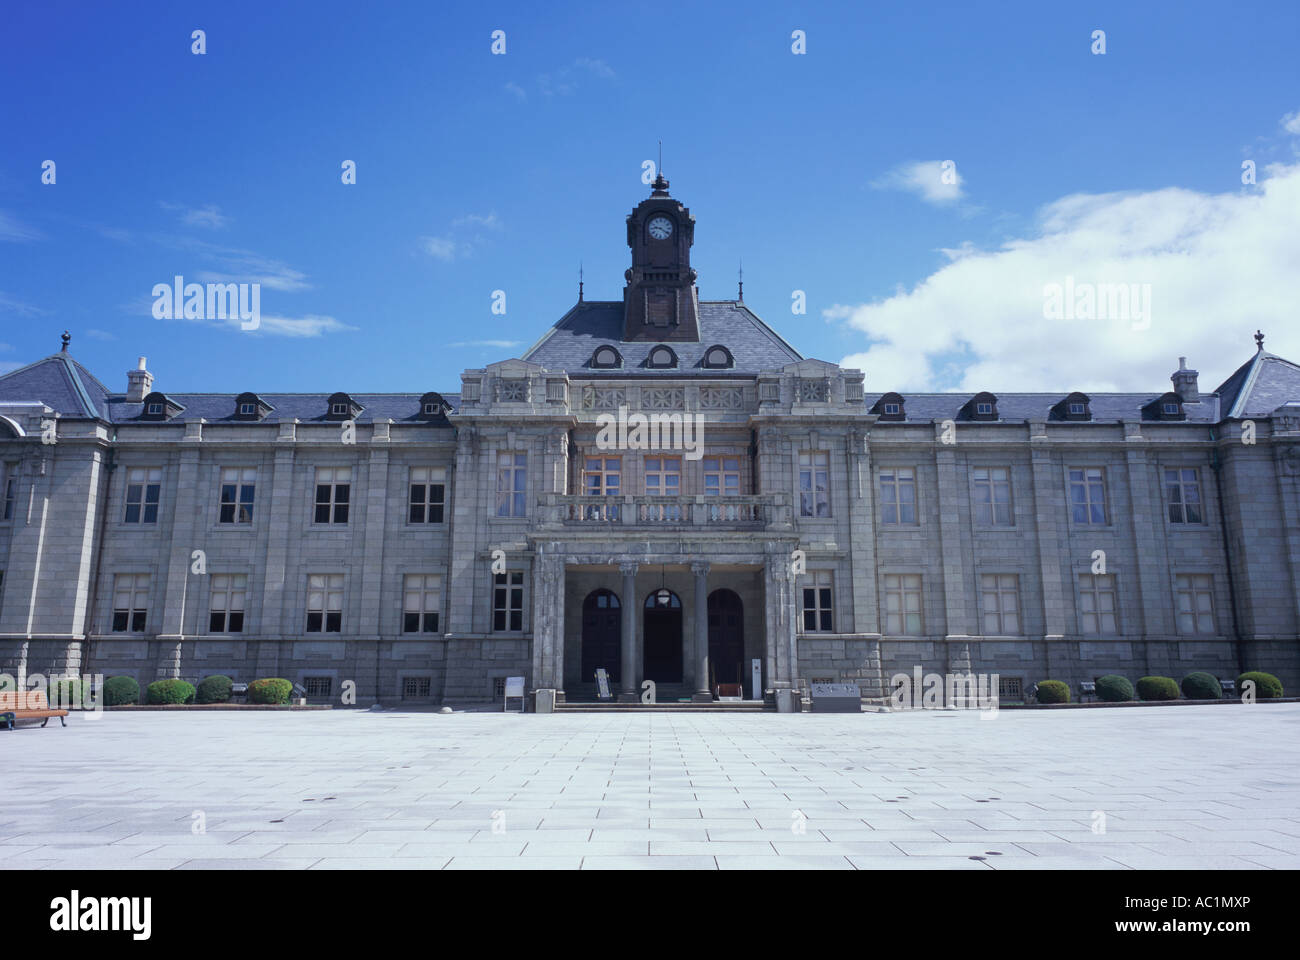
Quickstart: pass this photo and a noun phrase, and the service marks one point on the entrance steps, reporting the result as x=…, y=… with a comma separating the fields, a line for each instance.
x=670, y=698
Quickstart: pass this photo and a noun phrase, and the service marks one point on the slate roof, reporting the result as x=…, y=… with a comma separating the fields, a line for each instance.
x=570, y=343
x=1259, y=386
x=1105, y=407
x=60, y=383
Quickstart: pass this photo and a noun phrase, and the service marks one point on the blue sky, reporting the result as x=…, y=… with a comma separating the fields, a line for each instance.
x=478, y=172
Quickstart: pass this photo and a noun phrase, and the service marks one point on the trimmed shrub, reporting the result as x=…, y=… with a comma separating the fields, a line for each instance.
x=213, y=689
x=1114, y=689
x=120, y=690
x=1157, y=688
x=1267, y=686
x=66, y=693
x=170, y=691
x=1200, y=685
x=270, y=690
x=1053, y=691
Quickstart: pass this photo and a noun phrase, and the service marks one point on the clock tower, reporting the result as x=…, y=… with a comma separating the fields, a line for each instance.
x=660, y=301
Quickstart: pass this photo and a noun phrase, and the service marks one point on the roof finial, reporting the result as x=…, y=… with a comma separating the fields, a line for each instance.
x=66, y=338
x=660, y=184
x=1259, y=341
x=741, y=281
x=580, y=281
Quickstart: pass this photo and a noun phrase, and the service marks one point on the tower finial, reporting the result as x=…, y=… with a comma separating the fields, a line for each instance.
x=1259, y=341
x=66, y=338
x=741, y=280
x=580, y=281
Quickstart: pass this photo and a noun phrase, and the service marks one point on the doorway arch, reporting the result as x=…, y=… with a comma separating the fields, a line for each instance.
x=726, y=637
x=662, y=632
x=602, y=634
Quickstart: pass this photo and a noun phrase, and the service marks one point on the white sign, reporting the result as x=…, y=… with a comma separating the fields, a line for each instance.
x=514, y=686
x=602, y=684
x=756, y=691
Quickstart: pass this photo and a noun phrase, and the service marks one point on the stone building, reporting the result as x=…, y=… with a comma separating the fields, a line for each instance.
x=661, y=486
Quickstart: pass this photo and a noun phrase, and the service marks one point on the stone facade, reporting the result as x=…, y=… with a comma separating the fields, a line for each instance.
x=826, y=531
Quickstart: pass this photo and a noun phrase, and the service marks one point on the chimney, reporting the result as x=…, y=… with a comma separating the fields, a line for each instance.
x=139, y=382
x=1184, y=381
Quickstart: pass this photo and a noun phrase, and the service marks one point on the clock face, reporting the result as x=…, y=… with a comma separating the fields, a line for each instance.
x=661, y=228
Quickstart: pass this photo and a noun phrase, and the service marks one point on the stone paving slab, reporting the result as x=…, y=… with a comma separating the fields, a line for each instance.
x=925, y=790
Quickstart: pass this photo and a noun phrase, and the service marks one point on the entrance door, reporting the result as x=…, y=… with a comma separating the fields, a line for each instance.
x=602, y=632
x=663, y=638
x=726, y=637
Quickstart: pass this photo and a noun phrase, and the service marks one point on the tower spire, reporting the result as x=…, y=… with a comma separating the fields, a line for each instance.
x=580, y=281
x=741, y=281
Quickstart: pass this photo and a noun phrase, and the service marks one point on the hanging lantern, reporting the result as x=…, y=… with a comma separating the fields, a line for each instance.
x=663, y=597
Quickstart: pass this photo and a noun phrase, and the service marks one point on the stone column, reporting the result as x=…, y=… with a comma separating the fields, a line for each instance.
x=702, y=693
x=627, y=671
x=548, y=618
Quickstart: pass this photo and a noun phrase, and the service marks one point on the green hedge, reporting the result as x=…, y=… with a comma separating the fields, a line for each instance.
x=1114, y=689
x=1157, y=688
x=270, y=690
x=213, y=689
x=1053, y=691
x=1200, y=685
x=1267, y=686
x=120, y=690
x=170, y=691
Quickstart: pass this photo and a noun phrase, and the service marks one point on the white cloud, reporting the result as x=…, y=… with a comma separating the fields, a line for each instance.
x=598, y=67
x=207, y=216
x=926, y=179
x=310, y=325
x=1218, y=266
x=9, y=305
x=94, y=334
x=489, y=221
x=518, y=91
x=15, y=230
x=1291, y=123
x=497, y=344
x=440, y=248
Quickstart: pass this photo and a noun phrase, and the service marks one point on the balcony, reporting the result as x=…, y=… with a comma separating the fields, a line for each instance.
x=667, y=513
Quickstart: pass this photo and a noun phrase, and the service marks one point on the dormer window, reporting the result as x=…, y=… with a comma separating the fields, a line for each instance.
x=158, y=406
x=718, y=357
x=1078, y=409
x=249, y=406
x=889, y=407
x=247, y=409
x=1072, y=407
x=430, y=409
x=982, y=406
x=432, y=405
x=1170, y=409
x=342, y=407
x=1169, y=406
x=154, y=409
x=606, y=358
x=662, y=358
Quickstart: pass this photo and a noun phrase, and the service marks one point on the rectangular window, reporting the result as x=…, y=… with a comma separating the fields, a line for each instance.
x=814, y=485
x=428, y=494
x=1183, y=489
x=512, y=481
x=238, y=485
x=992, y=496
x=143, y=486
x=422, y=600
x=10, y=489
x=602, y=476
x=130, y=602
x=325, y=603
x=1097, y=604
x=721, y=476
x=663, y=476
x=897, y=495
x=318, y=687
x=999, y=593
x=416, y=688
x=817, y=603
x=333, y=494
x=1194, y=593
x=226, y=611
x=903, y=604
x=1088, y=495
x=1010, y=688
x=508, y=601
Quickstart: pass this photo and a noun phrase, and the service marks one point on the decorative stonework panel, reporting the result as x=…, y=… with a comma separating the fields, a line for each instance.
x=721, y=398
x=811, y=391
x=663, y=398
x=603, y=398
x=512, y=391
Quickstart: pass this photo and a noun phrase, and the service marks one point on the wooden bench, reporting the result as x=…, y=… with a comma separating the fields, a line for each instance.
x=27, y=705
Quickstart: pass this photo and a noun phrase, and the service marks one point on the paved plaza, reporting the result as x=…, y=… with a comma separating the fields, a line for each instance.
x=1184, y=787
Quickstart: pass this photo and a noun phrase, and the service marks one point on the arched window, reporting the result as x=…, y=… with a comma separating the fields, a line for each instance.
x=718, y=357
x=606, y=358
x=662, y=358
